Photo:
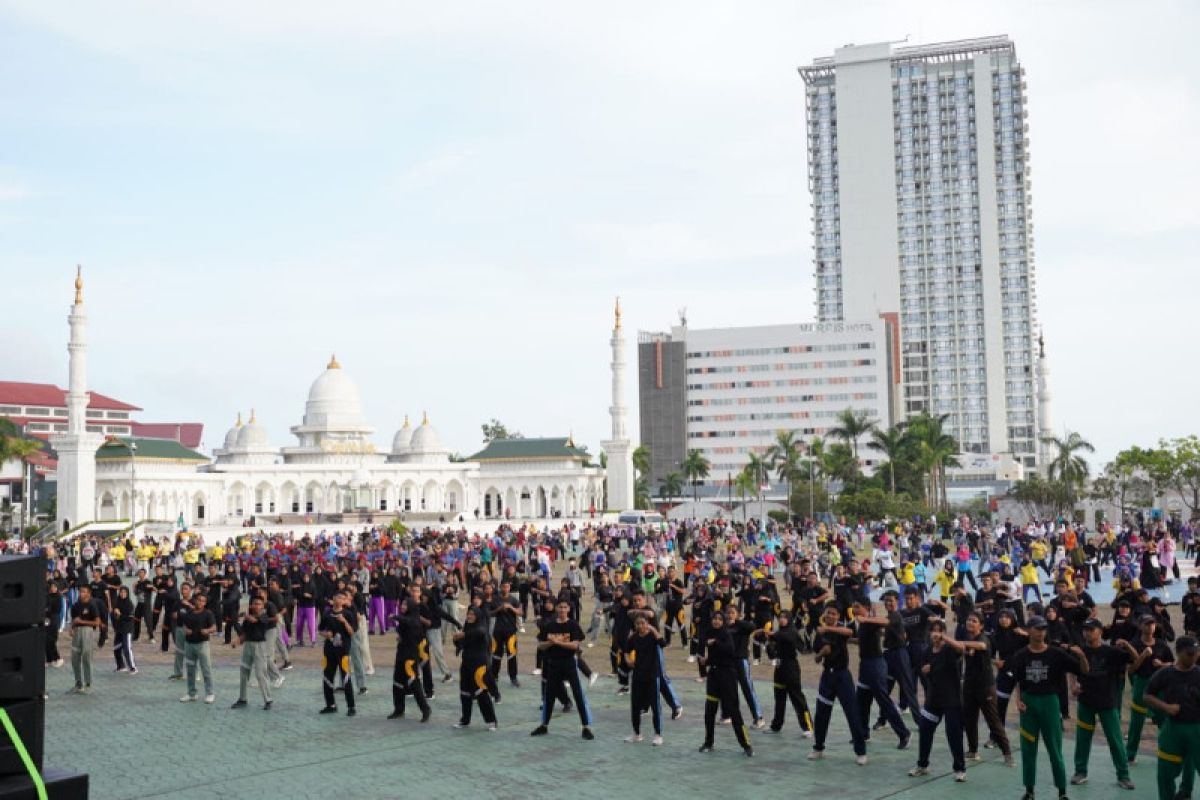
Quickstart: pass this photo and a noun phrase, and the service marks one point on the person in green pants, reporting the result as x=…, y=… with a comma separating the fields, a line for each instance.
x=1040, y=670
x=1152, y=655
x=1097, y=692
x=1175, y=692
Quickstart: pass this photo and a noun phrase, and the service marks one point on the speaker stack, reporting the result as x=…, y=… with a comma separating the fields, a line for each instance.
x=23, y=682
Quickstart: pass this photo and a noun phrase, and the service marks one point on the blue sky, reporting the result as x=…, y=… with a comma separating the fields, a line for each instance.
x=448, y=196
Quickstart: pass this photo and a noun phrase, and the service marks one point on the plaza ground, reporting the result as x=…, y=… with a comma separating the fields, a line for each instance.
x=136, y=740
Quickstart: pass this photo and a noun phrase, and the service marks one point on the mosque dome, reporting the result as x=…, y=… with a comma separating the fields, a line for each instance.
x=403, y=439
x=253, y=436
x=232, y=436
x=333, y=401
x=425, y=439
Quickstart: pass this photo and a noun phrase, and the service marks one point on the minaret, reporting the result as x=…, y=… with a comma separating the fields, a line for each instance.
x=77, y=447
x=1043, y=396
x=620, y=453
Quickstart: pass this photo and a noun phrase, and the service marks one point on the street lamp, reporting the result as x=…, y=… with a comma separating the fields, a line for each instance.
x=811, y=491
x=132, y=485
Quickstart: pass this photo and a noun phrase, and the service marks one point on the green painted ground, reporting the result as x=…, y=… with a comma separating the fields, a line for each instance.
x=137, y=741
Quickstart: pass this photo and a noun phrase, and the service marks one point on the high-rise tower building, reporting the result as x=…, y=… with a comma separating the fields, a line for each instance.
x=919, y=172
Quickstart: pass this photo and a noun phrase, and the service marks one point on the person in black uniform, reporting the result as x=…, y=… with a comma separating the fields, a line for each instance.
x=720, y=663
x=474, y=673
x=979, y=691
x=916, y=617
x=505, y=610
x=673, y=588
x=784, y=647
x=741, y=631
x=337, y=628
x=256, y=644
x=1096, y=693
x=943, y=700
x=406, y=674
x=642, y=655
x=159, y=585
x=1174, y=692
x=559, y=642
x=872, y=671
x=143, y=590
x=54, y=610
x=836, y=684
x=122, y=617
x=702, y=613
x=895, y=655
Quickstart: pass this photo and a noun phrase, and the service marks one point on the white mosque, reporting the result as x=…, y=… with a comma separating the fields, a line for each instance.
x=333, y=472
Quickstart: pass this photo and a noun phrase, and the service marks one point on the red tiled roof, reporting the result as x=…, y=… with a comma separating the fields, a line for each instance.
x=17, y=393
x=188, y=434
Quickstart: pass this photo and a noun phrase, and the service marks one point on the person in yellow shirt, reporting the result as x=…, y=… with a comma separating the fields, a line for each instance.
x=1029, y=580
x=191, y=557
x=945, y=581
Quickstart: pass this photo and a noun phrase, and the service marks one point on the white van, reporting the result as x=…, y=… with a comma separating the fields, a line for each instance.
x=640, y=518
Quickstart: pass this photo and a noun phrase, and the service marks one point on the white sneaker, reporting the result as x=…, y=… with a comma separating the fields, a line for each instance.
x=861, y=761
x=657, y=740
x=592, y=680
x=816, y=755
x=208, y=698
x=757, y=661
x=371, y=671
x=805, y=734
x=691, y=659
x=491, y=727
x=917, y=772
x=759, y=724
x=187, y=698
x=633, y=737
x=960, y=777
x=591, y=645
x=536, y=672
x=277, y=682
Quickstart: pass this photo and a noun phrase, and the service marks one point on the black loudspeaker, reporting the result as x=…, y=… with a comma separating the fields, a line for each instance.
x=22, y=591
x=22, y=664
x=60, y=785
x=29, y=718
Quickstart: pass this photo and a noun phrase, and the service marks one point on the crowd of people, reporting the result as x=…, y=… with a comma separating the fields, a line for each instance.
x=949, y=620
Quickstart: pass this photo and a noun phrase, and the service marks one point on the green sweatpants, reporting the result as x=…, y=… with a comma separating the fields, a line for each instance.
x=1042, y=717
x=1178, y=751
x=1137, y=714
x=1085, y=727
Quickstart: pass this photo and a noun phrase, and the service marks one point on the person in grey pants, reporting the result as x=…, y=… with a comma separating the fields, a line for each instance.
x=85, y=619
x=199, y=624
x=182, y=606
x=256, y=653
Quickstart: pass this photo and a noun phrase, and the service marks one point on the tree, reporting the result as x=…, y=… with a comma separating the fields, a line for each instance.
x=641, y=477
x=1181, y=471
x=1067, y=465
x=894, y=444
x=746, y=485
x=784, y=457
x=15, y=447
x=641, y=492
x=495, y=429
x=933, y=451
x=1040, y=498
x=851, y=426
x=1123, y=483
x=695, y=469
x=671, y=486
x=641, y=460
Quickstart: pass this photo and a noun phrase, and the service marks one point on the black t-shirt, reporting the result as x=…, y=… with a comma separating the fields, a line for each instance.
x=255, y=631
x=786, y=642
x=916, y=623
x=85, y=611
x=644, y=650
x=1044, y=672
x=1171, y=685
x=977, y=664
x=569, y=630
x=893, y=634
x=196, y=621
x=839, y=656
x=332, y=622
x=1099, y=686
x=740, y=631
x=870, y=644
x=945, y=681
x=1159, y=650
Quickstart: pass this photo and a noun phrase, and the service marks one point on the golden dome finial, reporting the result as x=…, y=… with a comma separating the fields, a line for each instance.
x=238, y=424
x=333, y=363
x=406, y=421
x=424, y=417
x=252, y=419
x=618, y=312
x=78, y=285
x=571, y=439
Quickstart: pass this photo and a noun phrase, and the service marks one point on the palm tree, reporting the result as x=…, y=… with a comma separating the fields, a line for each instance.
x=672, y=485
x=746, y=485
x=1067, y=465
x=935, y=451
x=641, y=459
x=641, y=492
x=851, y=426
x=784, y=458
x=891, y=442
x=695, y=469
x=15, y=447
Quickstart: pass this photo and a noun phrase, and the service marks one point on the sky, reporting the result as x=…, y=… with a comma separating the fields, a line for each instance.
x=449, y=196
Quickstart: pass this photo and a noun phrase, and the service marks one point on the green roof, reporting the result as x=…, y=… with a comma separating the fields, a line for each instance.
x=531, y=450
x=117, y=448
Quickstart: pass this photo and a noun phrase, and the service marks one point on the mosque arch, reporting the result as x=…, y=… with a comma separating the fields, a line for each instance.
x=313, y=498
x=199, y=507
x=431, y=496
x=289, y=498
x=455, y=496
x=491, y=505
x=386, y=495
x=264, y=498
x=541, y=502
x=571, y=502
x=408, y=500
x=512, y=502
x=236, y=504
x=108, y=507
